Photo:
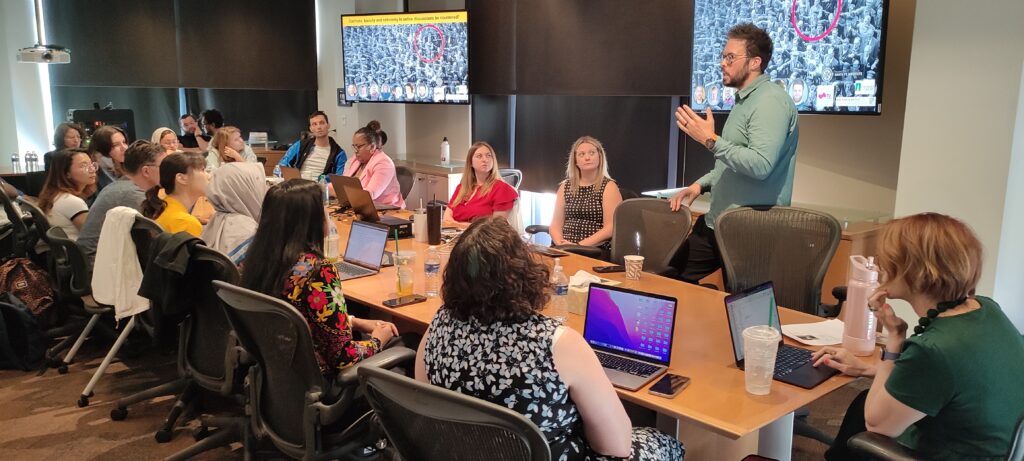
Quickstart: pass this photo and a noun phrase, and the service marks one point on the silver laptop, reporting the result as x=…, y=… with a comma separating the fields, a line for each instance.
x=631, y=332
x=364, y=250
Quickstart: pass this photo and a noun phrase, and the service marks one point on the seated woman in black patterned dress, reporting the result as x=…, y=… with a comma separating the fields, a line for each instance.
x=586, y=200
x=490, y=341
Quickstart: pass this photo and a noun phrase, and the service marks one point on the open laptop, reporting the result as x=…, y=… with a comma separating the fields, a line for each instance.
x=631, y=332
x=290, y=173
x=367, y=211
x=793, y=365
x=364, y=250
x=339, y=182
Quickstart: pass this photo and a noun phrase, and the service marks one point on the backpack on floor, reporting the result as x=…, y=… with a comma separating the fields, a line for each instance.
x=31, y=285
x=22, y=344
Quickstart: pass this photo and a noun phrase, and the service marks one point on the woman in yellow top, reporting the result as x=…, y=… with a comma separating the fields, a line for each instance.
x=183, y=178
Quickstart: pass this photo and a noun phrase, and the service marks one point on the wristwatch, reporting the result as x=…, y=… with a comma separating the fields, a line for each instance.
x=886, y=355
x=710, y=142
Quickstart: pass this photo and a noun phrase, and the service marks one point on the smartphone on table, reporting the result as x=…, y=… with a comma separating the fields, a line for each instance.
x=404, y=300
x=609, y=269
x=669, y=385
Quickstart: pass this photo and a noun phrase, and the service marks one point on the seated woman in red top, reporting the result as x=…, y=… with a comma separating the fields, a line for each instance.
x=481, y=193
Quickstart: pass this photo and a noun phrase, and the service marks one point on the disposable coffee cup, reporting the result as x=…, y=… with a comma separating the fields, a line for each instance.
x=760, y=347
x=634, y=266
x=419, y=225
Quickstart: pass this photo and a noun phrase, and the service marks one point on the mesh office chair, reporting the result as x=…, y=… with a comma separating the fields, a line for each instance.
x=291, y=402
x=34, y=182
x=791, y=247
x=39, y=219
x=143, y=233
x=583, y=250
x=428, y=423
x=880, y=447
x=72, y=279
x=208, y=356
x=406, y=179
x=23, y=237
x=511, y=176
x=661, y=230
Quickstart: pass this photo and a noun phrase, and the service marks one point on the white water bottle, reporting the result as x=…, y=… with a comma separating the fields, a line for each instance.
x=432, y=271
x=858, y=321
x=323, y=187
x=559, y=308
x=331, y=240
x=446, y=154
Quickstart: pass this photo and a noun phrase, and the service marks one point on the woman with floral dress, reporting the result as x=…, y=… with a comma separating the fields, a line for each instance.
x=288, y=243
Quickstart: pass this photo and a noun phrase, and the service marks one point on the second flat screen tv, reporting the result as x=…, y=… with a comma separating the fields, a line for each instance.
x=406, y=57
x=828, y=54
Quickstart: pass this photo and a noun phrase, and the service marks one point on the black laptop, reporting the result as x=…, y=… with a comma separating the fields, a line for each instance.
x=341, y=182
x=793, y=365
x=363, y=205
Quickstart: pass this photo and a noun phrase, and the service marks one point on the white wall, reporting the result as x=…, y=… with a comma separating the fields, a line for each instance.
x=963, y=114
x=853, y=161
x=24, y=106
x=1008, y=288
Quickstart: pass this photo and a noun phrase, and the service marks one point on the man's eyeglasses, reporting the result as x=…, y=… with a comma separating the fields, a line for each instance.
x=731, y=58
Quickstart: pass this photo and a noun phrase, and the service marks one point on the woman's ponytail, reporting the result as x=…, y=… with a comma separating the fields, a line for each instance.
x=153, y=205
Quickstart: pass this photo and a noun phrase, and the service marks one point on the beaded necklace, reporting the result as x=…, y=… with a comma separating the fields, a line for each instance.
x=944, y=306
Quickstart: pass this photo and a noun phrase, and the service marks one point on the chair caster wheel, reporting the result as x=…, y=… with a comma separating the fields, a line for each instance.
x=62, y=369
x=163, y=436
x=83, y=401
x=118, y=414
x=201, y=433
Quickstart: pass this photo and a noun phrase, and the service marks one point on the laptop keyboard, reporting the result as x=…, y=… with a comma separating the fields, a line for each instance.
x=633, y=367
x=351, y=270
x=790, y=358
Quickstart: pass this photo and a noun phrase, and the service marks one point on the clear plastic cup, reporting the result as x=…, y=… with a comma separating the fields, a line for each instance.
x=403, y=266
x=634, y=266
x=760, y=346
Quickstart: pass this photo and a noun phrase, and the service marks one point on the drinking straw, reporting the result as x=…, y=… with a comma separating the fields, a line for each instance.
x=396, y=241
x=771, y=313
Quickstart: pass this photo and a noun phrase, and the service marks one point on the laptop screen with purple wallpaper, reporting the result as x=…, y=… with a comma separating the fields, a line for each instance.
x=631, y=323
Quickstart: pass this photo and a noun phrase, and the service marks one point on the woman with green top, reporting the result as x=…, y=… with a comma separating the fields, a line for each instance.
x=952, y=389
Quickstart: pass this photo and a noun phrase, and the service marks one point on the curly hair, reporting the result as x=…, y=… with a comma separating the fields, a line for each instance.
x=759, y=44
x=492, y=277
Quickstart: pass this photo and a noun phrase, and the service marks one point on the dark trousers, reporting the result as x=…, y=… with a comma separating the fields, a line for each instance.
x=853, y=424
x=699, y=255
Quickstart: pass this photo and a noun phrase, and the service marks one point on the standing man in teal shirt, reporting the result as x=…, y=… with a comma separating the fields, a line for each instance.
x=755, y=155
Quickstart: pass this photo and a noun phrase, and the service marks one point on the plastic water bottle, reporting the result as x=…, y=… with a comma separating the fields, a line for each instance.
x=323, y=186
x=15, y=158
x=446, y=153
x=277, y=171
x=858, y=321
x=432, y=271
x=331, y=240
x=559, y=308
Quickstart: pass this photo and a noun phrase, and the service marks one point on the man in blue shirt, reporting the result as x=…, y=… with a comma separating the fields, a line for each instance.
x=755, y=155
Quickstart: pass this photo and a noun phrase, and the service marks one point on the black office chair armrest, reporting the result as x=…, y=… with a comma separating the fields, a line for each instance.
x=881, y=447
x=537, y=229
x=840, y=294
x=582, y=250
x=669, y=271
x=386, y=359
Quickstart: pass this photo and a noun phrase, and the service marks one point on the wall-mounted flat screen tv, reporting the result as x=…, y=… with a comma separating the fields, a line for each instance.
x=406, y=57
x=828, y=54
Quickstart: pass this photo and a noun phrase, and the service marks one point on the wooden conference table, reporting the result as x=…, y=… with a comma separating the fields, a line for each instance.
x=716, y=402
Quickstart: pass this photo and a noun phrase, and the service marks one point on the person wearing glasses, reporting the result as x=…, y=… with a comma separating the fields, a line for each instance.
x=70, y=180
x=375, y=170
x=142, y=170
x=318, y=154
x=755, y=155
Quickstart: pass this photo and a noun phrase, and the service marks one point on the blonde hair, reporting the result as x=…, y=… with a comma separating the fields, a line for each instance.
x=469, y=176
x=932, y=254
x=220, y=140
x=572, y=172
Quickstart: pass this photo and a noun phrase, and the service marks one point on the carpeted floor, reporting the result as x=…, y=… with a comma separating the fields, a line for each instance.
x=41, y=420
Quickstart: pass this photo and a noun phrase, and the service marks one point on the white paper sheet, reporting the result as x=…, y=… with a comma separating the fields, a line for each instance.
x=827, y=333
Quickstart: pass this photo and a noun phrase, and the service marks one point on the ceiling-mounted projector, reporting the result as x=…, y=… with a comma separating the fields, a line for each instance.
x=45, y=54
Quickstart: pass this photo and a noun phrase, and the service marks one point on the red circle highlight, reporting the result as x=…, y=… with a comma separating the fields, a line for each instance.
x=808, y=38
x=416, y=43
